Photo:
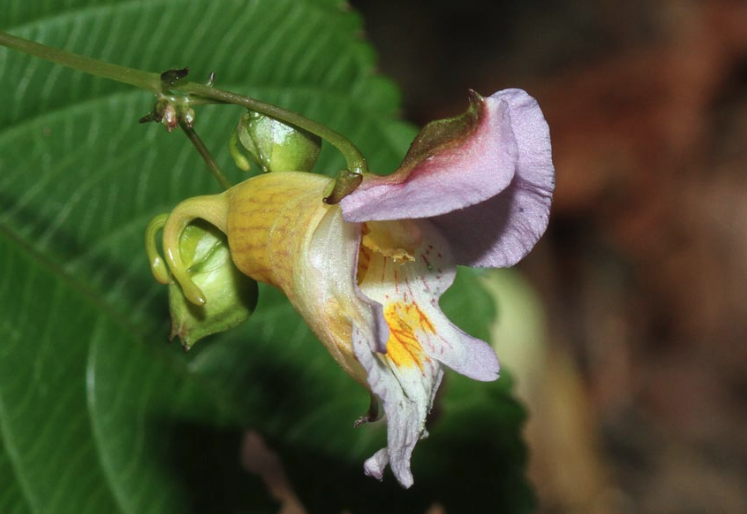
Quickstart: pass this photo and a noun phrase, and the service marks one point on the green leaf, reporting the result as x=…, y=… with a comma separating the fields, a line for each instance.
x=97, y=412
x=92, y=417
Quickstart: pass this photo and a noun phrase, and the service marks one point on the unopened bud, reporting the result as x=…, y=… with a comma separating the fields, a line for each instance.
x=230, y=296
x=277, y=146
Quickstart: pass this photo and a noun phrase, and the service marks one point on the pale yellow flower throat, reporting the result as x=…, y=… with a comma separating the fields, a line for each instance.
x=386, y=261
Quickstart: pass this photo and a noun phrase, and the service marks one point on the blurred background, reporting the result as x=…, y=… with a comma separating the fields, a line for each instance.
x=626, y=328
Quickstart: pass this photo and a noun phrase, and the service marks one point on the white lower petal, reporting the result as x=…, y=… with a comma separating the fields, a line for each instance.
x=405, y=267
x=375, y=466
x=409, y=290
x=406, y=396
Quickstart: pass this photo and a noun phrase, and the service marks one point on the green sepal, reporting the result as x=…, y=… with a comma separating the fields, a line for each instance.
x=277, y=146
x=231, y=296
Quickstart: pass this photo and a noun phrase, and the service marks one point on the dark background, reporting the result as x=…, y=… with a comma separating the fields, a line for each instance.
x=640, y=402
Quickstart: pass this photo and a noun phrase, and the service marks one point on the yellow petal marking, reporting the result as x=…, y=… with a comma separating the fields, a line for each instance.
x=405, y=320
x=396, y=241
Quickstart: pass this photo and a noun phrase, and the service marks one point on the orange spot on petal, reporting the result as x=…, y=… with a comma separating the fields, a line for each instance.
x=405, y=321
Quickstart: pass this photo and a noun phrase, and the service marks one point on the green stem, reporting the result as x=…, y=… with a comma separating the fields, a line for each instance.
x=206, y=155
x=142, y=79
x=152, y=82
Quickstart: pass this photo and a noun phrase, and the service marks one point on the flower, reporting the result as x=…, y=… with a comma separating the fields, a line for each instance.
x=367, y=274
x=475, y=191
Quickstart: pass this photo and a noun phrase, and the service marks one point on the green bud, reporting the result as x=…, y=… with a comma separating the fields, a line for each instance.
x=230, y=296
x=277, y=146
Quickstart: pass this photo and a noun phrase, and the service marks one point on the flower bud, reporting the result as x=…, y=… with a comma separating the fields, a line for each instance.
x=277, y=146
x=230, y=296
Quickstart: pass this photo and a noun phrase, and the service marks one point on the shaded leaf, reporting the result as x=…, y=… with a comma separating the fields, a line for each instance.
x=94, y=419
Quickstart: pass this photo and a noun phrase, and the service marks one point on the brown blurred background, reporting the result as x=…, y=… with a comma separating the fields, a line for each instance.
x=638, y=392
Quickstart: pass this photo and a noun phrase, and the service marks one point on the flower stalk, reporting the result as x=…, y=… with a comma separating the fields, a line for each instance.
x=199, y=93
x=212, y=164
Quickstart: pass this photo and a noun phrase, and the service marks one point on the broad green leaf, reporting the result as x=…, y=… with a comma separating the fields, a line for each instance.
x=97, y=413
x=92, y=417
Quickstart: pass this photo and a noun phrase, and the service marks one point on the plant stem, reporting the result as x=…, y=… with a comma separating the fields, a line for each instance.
x=356, y=163
x=206, y=155
x=142, y=79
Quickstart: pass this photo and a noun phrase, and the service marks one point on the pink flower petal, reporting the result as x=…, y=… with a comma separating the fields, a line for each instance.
x=489, y=192
x=451, y=165
x=502, y=230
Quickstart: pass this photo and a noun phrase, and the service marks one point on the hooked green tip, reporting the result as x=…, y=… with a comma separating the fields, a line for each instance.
x=157, y=264
x=190, y=289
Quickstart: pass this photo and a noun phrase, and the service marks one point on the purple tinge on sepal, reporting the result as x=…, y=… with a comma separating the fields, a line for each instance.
x=441, y=175
x=502, y=230
x=488, y=193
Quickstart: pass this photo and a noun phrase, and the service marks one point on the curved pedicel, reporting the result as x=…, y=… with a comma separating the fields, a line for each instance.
x=157, y=264
x=214, y=210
